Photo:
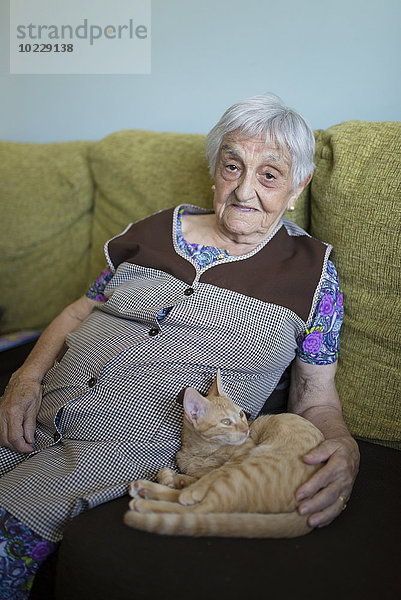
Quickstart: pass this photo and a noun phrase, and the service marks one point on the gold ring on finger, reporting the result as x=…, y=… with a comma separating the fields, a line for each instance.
x=344, y=502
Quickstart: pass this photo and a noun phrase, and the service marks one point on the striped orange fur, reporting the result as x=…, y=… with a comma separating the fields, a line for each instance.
x=237, y=479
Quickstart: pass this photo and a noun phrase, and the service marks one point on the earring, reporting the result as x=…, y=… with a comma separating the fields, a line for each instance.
x=291, y=208
x=213, y=188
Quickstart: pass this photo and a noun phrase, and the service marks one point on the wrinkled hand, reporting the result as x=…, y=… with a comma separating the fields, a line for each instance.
x=328, y=490
x=18, y=410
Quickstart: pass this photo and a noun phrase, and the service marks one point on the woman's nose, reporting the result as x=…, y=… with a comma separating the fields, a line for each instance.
x=245, y=190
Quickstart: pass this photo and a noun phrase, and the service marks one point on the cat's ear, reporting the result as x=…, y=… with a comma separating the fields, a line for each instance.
x=217, y=387
x=194, y=405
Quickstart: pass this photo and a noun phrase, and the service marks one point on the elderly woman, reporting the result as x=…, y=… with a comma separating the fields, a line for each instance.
x=187, y=291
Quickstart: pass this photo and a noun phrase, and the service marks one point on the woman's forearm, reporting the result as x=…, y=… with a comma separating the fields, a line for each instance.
x=313, y=395
x=328, y=419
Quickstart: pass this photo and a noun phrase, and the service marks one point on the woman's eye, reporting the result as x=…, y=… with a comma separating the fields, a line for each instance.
x=269, y=176
x=232, y=168
x=225, y=421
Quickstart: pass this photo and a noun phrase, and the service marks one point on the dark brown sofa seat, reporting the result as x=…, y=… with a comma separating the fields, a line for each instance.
x=357, y=557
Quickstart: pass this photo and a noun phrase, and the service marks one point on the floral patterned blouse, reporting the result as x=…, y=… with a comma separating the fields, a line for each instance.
x=318, y=345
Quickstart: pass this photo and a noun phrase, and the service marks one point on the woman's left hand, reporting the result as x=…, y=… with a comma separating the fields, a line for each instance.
x=326, y=493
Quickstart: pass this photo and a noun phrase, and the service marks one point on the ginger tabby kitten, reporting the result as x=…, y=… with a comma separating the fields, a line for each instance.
x=238, y=479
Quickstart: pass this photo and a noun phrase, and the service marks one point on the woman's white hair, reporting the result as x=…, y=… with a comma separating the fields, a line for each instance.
x=266, y=115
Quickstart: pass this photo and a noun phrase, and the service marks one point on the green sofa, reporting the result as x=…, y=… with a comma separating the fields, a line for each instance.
x=61, y=201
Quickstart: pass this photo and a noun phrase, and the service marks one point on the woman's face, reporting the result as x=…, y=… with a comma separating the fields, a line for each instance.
x=253, y=188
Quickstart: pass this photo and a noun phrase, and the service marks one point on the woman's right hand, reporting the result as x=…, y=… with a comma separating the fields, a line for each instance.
x=19, y=407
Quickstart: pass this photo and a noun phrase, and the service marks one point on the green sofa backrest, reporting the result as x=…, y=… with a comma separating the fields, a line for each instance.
x=46, y=200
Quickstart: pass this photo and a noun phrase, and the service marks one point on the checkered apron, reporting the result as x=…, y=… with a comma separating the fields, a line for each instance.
x=109, y=412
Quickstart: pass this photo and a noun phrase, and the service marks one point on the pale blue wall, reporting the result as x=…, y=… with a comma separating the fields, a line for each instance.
x=333, y=61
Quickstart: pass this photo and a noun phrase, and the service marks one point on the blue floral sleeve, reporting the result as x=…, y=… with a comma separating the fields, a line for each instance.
x=95, y=292
x=320, y=343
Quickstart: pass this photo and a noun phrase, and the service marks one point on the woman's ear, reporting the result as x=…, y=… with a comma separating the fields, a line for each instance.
x=297, y=192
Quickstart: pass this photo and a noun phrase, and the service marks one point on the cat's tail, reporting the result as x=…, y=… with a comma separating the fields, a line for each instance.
x=245, y=525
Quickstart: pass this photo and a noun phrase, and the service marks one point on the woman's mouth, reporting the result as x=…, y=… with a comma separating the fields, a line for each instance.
x=242, y=208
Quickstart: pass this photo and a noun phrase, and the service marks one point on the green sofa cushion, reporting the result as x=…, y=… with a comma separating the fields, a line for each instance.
x=139, y=172
x=46, y=196
x=355, y=205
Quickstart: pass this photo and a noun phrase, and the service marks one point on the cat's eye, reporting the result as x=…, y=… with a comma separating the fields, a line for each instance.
x=226, y=421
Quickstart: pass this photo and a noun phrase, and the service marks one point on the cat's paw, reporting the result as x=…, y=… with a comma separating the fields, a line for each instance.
x=167, y=476
x=138, y=505
x=190, y=496
x=138, y=488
